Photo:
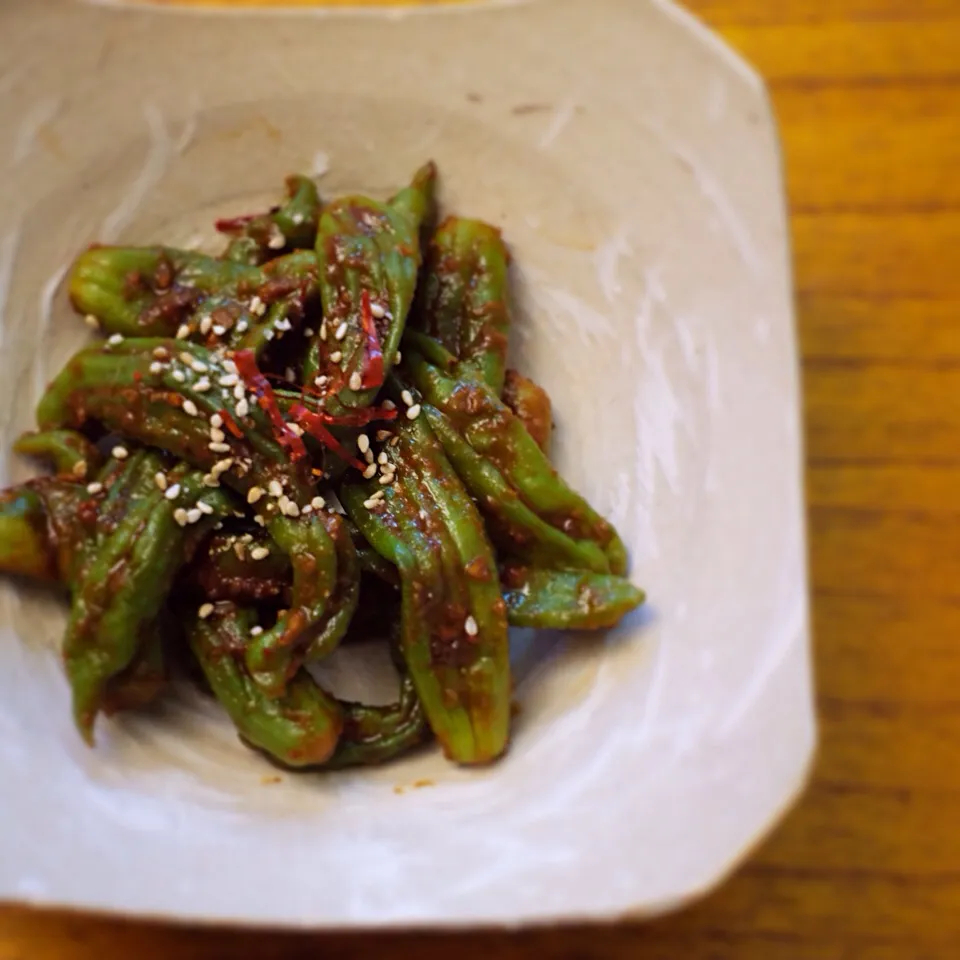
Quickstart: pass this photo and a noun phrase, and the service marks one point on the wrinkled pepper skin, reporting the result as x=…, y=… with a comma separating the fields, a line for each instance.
x=299, y=728
x=567, y=599
x=120, y=387
x=70, y=453
x=464, y=302
x=428, y=527
x=369, y=255
x=120, y=591
x=531, y=405
x=494, y=434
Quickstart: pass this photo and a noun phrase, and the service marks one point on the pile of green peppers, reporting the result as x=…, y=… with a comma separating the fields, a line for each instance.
x=310, y=439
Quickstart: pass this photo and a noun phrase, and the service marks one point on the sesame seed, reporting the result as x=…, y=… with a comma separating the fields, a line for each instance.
x=320, y=381
x=216, y=420
x=307, y=508
x=198, y=366
x=210, y=480
x=387, y=478
x=156, y=367
x=218, y=436
x=397, y=357
x=222, y=466
x=205, y=324
x=368, y=456
x=318, y=503
x=413, y=412
x=91, y=321
x=219, y=329
x=275, y=488
x=160, y=353
x=277, y=242
x=186, y=358
x=268, y=334
x=336, y=356
x=256, y=306
x=247, y=538
x=323, y=330
x=205, y=611
x=160, y=479
x=121, y=453
x=204, y=507
x=297, y=218
x=256, y=631
x=308, y=331
x=382, y=458
x=295, y=429
x=202, y=385
x=470, y=626
x=260, y=553
x=172, y=492
x=371, y=503
x=378, y=310
x=242, y=326
x=259, y=519
x=80, y=468
x=423, y=514
x=283, y=325
x=394, y=441
x=363, y=443
x=370, y=472
x=290, y=374
x=389, y=405
x=217, y=447
x=341, y=331
x=227, y=380
x=407, y=398
x=243, y=407
x=254, y=494
x=94, y=487
x=356, y=381
x=377, y=495
x=190, y=408
x=239, y=391
x=115, y=339
x=240, y=550
x=183, y=331
x=179, y=376
x=383, y=435
x=291, y=509
x=180, y=515
x=230, y=366
x=193, y=515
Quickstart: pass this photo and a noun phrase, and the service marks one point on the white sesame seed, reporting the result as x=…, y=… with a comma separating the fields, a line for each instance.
x=239, y=391
x=209, y=480
x=389, y=405
x=205, y=324
x=470, y=626
x=370, y=472
x=121, y=453
x=185, y=357
x=277, y=242
x=156, y=367
x=320, y=381
x=368, y=456
x=205, y=611
x=190, y=408
x=221, y=466
x=260, y=553
x=268, y=334
x=318, y=503
x=397, y=357
x=363, y=443
x=240, y=550
x=218, y=436
x=341, y=330
x=230, y=366
x=407, y=398
x=216, y=420
x=387, y=478
x=198, y=366
x=243, y=407
x=382, y=457
x=275, y=488
x=283, y=325
x=115, y=339
x=204, y=507
x=202, y=385
x=247, y=538
x=180, y=515
x=377, y=495
x=254, y=494
x=91, y=321
x=179, y=376
x=256, y=631
x=243, y=326
x=307, y=508
x=94, y=487
x=80, y=468
x=394, y=441
x=259, y=519
x=336, y=356
x=172, y=492
x=297, y=218
x=323, y=330
x=160, y=479
x=291, y=509
x=217, y=447
x=183, y=331
x=308, y=331
x=290, y=374
x=413, y=412
x=378, y=310
x=219, y=329
x=256, y=305
x=227, y=380
x=160, y=353
x=371, y=503
x=423, y=514
x=295, y=429
x=356, y=381
x=193, y=515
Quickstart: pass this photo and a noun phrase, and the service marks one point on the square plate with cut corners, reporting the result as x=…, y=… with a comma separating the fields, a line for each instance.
x=632, y=161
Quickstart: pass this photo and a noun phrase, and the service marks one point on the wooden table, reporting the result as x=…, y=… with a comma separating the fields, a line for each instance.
x=868, y=93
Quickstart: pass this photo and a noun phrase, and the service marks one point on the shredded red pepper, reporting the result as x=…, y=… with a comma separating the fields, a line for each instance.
x=233, y=224
x=314, y=424
x=373, y=358
x=250, y=373
x=231, y=424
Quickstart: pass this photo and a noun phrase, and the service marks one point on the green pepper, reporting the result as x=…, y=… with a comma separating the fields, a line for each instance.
x=464, y=300
x=453, y=619
x=369, y=255
x=70, y=452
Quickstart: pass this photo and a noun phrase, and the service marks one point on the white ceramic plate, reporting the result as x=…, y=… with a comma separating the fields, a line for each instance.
x=632, y=161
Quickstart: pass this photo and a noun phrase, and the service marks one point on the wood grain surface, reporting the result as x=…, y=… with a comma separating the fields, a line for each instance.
x=868, y=865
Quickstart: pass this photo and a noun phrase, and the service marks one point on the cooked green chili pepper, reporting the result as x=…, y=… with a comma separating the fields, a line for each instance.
x=70, y=452
x=493, y=433
x=369, y=254
x=454, y=628
x=464, y=301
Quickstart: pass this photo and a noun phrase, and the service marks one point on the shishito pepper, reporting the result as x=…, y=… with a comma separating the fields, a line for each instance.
x=453, y=619
x=70, y=452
